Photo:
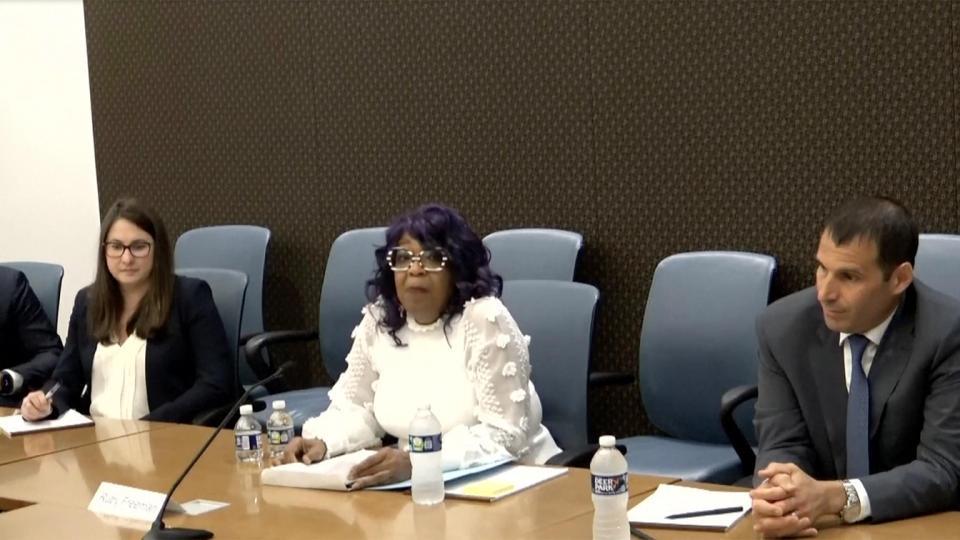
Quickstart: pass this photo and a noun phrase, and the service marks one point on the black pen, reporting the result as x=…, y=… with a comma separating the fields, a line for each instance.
x=711, y=512
x=640, y=534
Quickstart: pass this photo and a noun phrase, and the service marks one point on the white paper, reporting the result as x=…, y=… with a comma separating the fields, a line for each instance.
x=202, y=506
x=327, y=474
x=669, y=499
x=16, y=425
x=129, y=502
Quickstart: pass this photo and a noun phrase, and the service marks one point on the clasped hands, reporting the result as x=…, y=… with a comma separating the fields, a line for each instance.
x=789, y=501
x=388, y=465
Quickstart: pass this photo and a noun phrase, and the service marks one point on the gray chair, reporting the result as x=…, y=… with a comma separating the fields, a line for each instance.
x=697, y=342
x=350, y=264
x=534, y=253
x=938, y=262
x=558, y=316
x=233, y=247
x=45, y=279
x=229, y=288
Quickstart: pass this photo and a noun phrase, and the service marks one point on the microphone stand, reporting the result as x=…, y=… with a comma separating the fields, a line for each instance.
x=159, y=531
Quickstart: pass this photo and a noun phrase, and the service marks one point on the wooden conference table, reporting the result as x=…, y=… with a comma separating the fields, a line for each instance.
x=45, y=487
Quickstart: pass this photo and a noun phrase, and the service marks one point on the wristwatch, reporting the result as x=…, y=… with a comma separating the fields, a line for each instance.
x=851, y=508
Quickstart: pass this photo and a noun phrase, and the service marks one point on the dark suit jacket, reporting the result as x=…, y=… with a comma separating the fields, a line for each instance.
x=29, y=343
x=189, y=370
x=914, y=400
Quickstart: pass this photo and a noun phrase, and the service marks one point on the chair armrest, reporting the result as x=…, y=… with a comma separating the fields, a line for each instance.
x=211, y=417
x=610, y=378
x=579, y=457
x=732, y=399
x=257, y=342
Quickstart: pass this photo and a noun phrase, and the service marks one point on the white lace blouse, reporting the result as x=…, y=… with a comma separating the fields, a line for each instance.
x=475, y=373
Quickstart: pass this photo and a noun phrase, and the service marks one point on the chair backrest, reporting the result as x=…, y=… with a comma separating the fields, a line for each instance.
x=45, y=279
x=534, y=253
x=350, y=264
x=699, y=339
x=938, y=262
x=233, y=247
x=558, y=316
x=229, y=288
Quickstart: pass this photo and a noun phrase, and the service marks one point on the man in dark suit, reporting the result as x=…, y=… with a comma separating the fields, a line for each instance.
x=858, y=412
x=29, y=344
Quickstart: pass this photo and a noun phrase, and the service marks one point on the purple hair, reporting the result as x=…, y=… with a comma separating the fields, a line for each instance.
x=434, y=226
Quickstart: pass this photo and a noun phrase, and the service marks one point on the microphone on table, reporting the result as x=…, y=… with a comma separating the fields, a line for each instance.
x=158, y=530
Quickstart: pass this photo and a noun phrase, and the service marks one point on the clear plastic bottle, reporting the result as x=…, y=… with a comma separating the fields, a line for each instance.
x=426, y=476
x=247, y=436
x=608, y=476
x=279, y=428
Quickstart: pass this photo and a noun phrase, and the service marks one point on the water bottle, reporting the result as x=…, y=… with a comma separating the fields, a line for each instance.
x=426, y=476
x=279, y=428
x=247, y=436
x=608, y=475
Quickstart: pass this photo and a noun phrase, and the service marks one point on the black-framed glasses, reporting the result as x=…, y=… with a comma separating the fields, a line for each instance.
x=431, y=259
x=138, y=248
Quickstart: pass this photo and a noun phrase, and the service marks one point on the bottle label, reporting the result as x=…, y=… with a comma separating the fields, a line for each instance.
x=425, y=443
x=248, y=442
x=609, y=485
x=280, y=435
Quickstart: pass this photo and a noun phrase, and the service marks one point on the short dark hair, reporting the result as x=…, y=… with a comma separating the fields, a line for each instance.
x=881, y=219
x=433, y=226
x=105, y=300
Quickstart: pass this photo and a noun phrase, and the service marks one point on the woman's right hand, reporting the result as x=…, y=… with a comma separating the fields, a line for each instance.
x=36, y=406
x=305, y=450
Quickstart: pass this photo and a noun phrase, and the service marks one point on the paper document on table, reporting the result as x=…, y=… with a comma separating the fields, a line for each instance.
x=327, y=474
x=498, y=483
x=16, y=425
x=669, y=500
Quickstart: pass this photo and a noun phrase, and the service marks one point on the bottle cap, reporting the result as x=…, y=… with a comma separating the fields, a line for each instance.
x=279, y=404
x=246, y=409
x=425, y=406
x=607, y=441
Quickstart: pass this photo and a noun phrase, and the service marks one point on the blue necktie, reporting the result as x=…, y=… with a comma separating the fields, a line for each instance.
x=858, y=412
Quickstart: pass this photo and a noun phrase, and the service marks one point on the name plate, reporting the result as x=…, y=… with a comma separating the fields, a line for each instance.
x=129, y=502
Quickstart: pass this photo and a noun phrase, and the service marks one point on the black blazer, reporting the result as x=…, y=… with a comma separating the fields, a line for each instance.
x=801, y=412
x=189, y=370
x=29, y=343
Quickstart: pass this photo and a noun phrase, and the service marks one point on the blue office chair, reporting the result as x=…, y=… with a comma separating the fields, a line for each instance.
x=229, y=288
x=350, y=264
x=697, y=341
x=45, y=279
x=233, y=247
x=558, y=316
x=534, y=253
x=938, y=262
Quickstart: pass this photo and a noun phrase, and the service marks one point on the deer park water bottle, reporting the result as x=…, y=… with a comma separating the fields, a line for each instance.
x=279, y=428
x=247, y=436
x=426, y=476
x=608, y=474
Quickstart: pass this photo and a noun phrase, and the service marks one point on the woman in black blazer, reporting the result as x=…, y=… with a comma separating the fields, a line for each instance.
x=186, y=366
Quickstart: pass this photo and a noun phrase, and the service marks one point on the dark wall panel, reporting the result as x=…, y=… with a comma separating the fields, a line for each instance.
x=652, y=128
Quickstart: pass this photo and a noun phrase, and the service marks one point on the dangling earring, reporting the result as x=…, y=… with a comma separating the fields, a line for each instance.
x=403, y=312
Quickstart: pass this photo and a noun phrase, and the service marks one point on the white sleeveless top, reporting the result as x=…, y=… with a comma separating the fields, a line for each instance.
x=118, y=385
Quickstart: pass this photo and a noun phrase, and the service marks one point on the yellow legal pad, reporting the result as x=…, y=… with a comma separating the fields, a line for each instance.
x=487, y=488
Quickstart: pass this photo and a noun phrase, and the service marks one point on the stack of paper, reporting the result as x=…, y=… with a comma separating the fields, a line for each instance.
x=661, y=508
x=327, y=474
x=16, y=425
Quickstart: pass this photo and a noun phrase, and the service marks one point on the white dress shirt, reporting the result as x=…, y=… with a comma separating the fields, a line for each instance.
x=874, y=335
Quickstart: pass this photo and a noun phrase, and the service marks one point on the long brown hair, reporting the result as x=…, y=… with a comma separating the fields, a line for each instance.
x=105, y=300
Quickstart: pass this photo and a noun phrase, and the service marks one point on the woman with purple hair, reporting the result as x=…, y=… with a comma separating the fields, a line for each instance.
x=435, y=332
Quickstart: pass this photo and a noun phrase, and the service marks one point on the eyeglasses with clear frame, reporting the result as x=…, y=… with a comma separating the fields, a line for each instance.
x=431, y=259
x=138, y=248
